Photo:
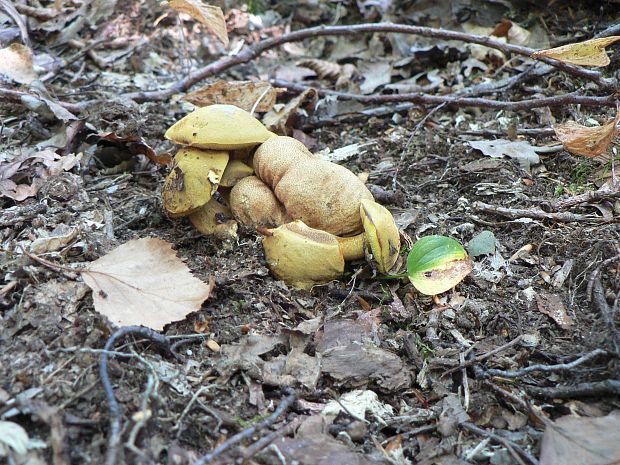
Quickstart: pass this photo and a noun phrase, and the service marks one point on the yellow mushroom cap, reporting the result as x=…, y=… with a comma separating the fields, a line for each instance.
x=219, y=127
x=302, y=256
x=381, y=234
x=234, y=172
x=194, y=178
x=215, y=219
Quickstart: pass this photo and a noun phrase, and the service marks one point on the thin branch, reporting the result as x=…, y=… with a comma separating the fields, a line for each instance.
x=537, y=214
x=573, y=98
x=251, y=53
x=502, y=440
x=484, y=356
x=609, y=387
x=547, y=368
x=249, y=432
x=607, y=192
x=113, y=406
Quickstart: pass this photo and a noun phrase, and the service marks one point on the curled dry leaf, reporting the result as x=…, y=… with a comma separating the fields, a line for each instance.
x=211, y=16
x=16, y=63
x=144, y=283
x=587, y=141
x=243, y=94
x=588, y=53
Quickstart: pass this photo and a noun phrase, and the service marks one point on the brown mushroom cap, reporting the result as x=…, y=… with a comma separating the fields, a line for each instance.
x=275, y=156
x=322, y=194
x=219, y=127
x=254, y=204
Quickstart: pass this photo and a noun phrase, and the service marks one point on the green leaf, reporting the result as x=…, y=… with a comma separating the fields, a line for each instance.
x=436, y=264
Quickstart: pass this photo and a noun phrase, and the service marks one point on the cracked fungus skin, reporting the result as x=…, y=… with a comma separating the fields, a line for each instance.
x=322, y=194
x=219, y=127
x=302, y=256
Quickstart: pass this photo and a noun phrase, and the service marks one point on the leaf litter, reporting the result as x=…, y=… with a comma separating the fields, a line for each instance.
x=272, y=336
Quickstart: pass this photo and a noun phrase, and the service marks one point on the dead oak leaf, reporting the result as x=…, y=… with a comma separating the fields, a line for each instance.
x=587, y=53
x=143, y=282
x=249, y=95
x=210, y=16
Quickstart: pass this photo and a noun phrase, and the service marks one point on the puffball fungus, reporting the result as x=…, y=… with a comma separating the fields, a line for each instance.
x=322, y=194
x=219, y=127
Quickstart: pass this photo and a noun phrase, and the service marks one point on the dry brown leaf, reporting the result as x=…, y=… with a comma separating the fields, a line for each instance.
x=16, y=63
x=211, y=16
x=588, y=53
x=574, y=440
x=143, y=282
x=281, y=119
x=552, y=305
x=243, y=94
x=587, y=141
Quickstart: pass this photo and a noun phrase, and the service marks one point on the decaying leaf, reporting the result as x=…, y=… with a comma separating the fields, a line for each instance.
x=143, y=282
x=16, y=63
x=574, y=440
x=552, y=305
x=587, y=141
x=588, y=53
x=519, y=150
x=242, y=94
x=209, y=15
x=278, y=119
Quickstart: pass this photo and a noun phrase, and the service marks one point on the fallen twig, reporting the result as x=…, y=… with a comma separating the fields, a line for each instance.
x=484, y=356
x=573, y=98
x=597, y=388
x=249, y=432
x=251, y=53
x=537, y=214
x=604, y=193
x=511, y=446
x=546, y=368
x=114, y=408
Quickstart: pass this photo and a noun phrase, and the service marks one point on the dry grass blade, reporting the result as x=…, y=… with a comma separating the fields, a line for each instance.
x=588, y=53
x=587, y=141
x=144, y=283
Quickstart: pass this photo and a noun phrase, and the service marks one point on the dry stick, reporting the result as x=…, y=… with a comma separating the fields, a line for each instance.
x=263, y=442
x=537, y=214
x=484, y=356
x=503, y=441
x=18, y=19
x=573, y=98
x=608, y=193
x=114, y=408
x=249, y=432
x=548, y=368
x=251, y=53
x=597, y=388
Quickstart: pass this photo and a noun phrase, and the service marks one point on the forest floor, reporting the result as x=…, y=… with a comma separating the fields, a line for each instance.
x=407, y=379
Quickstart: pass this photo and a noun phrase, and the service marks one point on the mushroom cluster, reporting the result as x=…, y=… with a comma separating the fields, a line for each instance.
x=314, y=214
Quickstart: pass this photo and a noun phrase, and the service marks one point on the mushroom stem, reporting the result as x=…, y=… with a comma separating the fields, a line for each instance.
x=352, y=247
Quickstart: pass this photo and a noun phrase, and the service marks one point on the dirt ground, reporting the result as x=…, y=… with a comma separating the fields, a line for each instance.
x=447, y=371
